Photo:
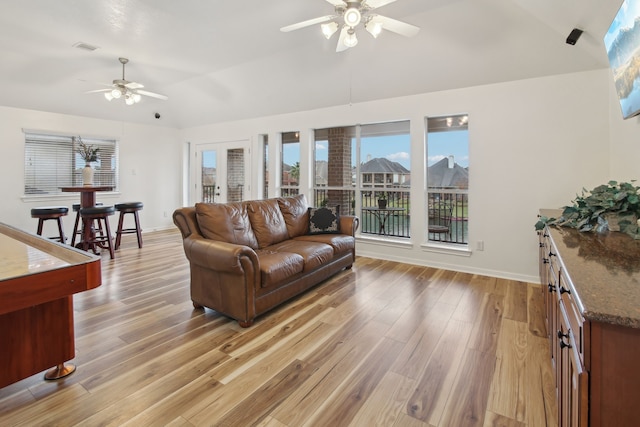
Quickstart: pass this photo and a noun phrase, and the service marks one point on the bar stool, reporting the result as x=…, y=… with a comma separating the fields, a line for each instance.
x=132, y=208
x=76, y=226
x=51, y=212
x=98, y=213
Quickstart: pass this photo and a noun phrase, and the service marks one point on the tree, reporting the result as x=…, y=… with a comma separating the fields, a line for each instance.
x=295, y=172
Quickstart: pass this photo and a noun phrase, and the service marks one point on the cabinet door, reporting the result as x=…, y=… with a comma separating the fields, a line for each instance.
x=572, y=399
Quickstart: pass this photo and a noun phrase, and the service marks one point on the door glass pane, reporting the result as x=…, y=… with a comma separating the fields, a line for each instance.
x=209, y=178
x=235, y=175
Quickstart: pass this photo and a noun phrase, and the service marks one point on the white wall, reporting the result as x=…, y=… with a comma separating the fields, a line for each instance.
x=533, y=143
x=154, y=153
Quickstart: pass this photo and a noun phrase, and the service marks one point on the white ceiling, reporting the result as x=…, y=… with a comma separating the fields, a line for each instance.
x=221, y=60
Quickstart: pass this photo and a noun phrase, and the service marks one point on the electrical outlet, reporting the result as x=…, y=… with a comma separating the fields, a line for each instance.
x=165, y=214
x=480, y=245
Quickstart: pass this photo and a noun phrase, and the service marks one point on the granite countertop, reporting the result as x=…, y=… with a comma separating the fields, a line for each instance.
x=604, y=270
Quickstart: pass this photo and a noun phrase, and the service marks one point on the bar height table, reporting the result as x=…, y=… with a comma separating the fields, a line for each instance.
x=87, y=200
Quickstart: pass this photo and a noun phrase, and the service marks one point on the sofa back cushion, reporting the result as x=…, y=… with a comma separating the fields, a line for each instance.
x=267, y=222
x=296, y=215
x=226, y=222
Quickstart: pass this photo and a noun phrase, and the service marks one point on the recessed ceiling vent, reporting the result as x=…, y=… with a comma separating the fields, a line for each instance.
x=85, y=46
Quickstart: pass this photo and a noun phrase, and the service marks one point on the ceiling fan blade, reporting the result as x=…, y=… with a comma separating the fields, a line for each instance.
x=307, y=23
x=152, y=95
x=340, y=2
x=99, y=90
x=374, y=4
x=133, y=85
x=343, y=35
x=397, y=27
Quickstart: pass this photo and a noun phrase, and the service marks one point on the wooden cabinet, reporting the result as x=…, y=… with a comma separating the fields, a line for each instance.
x=594, y=349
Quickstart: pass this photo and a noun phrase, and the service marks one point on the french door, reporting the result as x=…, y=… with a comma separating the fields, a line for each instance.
x=220, y=172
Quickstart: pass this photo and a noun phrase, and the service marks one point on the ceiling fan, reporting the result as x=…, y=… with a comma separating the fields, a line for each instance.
x=122, y=88
x=348, y=15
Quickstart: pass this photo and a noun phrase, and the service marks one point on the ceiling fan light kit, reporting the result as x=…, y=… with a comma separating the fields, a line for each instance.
x=127, y=90
x=352, y=13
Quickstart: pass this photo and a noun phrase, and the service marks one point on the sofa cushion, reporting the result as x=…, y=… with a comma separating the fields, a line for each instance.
x=226, y=222
x=267, y=222
x=314, y=254
x=324, y=220
x=295, y=213
x=277, y=267
x=340, y=243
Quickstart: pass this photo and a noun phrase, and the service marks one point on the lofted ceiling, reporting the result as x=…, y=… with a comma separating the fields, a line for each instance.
x=222, y=60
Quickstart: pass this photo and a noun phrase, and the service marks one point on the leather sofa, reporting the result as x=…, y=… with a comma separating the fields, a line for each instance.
x=248, y=257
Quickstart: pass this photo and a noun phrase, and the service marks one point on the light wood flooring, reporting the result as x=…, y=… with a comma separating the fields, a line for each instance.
x=384, y=343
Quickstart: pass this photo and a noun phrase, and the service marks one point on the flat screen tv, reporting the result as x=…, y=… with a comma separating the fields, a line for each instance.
x=622, y=42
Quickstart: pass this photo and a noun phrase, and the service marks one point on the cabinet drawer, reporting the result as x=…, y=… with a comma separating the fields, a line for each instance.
x=574, y=316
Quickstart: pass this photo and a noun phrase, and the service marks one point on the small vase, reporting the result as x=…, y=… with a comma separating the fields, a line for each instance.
x=87, y=175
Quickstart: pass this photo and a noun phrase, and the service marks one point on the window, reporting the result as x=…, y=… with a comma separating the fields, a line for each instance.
x=51, y=162
x=448, y=178
x=290, y=164
x=385, y=178
x=356, y=178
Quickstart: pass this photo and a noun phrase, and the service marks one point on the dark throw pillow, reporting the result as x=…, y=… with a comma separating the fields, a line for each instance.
x=324, y=220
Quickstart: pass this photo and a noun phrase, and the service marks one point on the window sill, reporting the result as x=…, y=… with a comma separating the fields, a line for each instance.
x=60, y=196
x=382, y=240
x=443, y=248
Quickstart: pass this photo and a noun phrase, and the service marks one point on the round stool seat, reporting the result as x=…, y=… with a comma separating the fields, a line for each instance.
x=76, y=206
x=98, y=210
x=49, y=211
x=129, y=206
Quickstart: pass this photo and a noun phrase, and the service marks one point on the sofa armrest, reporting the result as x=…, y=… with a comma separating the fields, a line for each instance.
x=185, y=220
x=220, y=256
x=349, y=224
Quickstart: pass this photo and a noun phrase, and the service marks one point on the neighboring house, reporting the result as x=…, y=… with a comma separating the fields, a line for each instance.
x=381, y=172
x=446, y=173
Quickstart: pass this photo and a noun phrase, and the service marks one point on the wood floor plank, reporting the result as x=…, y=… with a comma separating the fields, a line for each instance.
x=219, y=403
x=467, y=404
x=383, y=343
x=508, y=395
x=537, y=314
x=497, y=420
x=335, y=360
x=259, y=404
x=387, y=403
x=433, y=390
x=515, y=303
x=342, y=406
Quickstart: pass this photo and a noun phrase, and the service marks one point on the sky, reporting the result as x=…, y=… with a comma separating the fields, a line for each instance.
x=629, y=10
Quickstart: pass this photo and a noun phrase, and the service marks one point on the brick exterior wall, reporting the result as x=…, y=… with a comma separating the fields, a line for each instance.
x=339, y=168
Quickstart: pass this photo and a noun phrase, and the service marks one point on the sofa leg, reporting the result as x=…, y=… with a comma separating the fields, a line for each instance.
x=245, y=324
x=348, y=267
x=196, y=305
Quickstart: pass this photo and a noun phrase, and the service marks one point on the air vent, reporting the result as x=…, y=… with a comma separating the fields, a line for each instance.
x=85, y=46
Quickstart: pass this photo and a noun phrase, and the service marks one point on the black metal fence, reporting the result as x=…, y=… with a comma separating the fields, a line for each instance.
x=448, y=216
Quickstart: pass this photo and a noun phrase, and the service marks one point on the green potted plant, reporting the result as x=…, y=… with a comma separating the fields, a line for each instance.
x=613, y=206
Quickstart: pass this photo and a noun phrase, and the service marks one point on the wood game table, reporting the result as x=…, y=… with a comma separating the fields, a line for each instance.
x=38, y=278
